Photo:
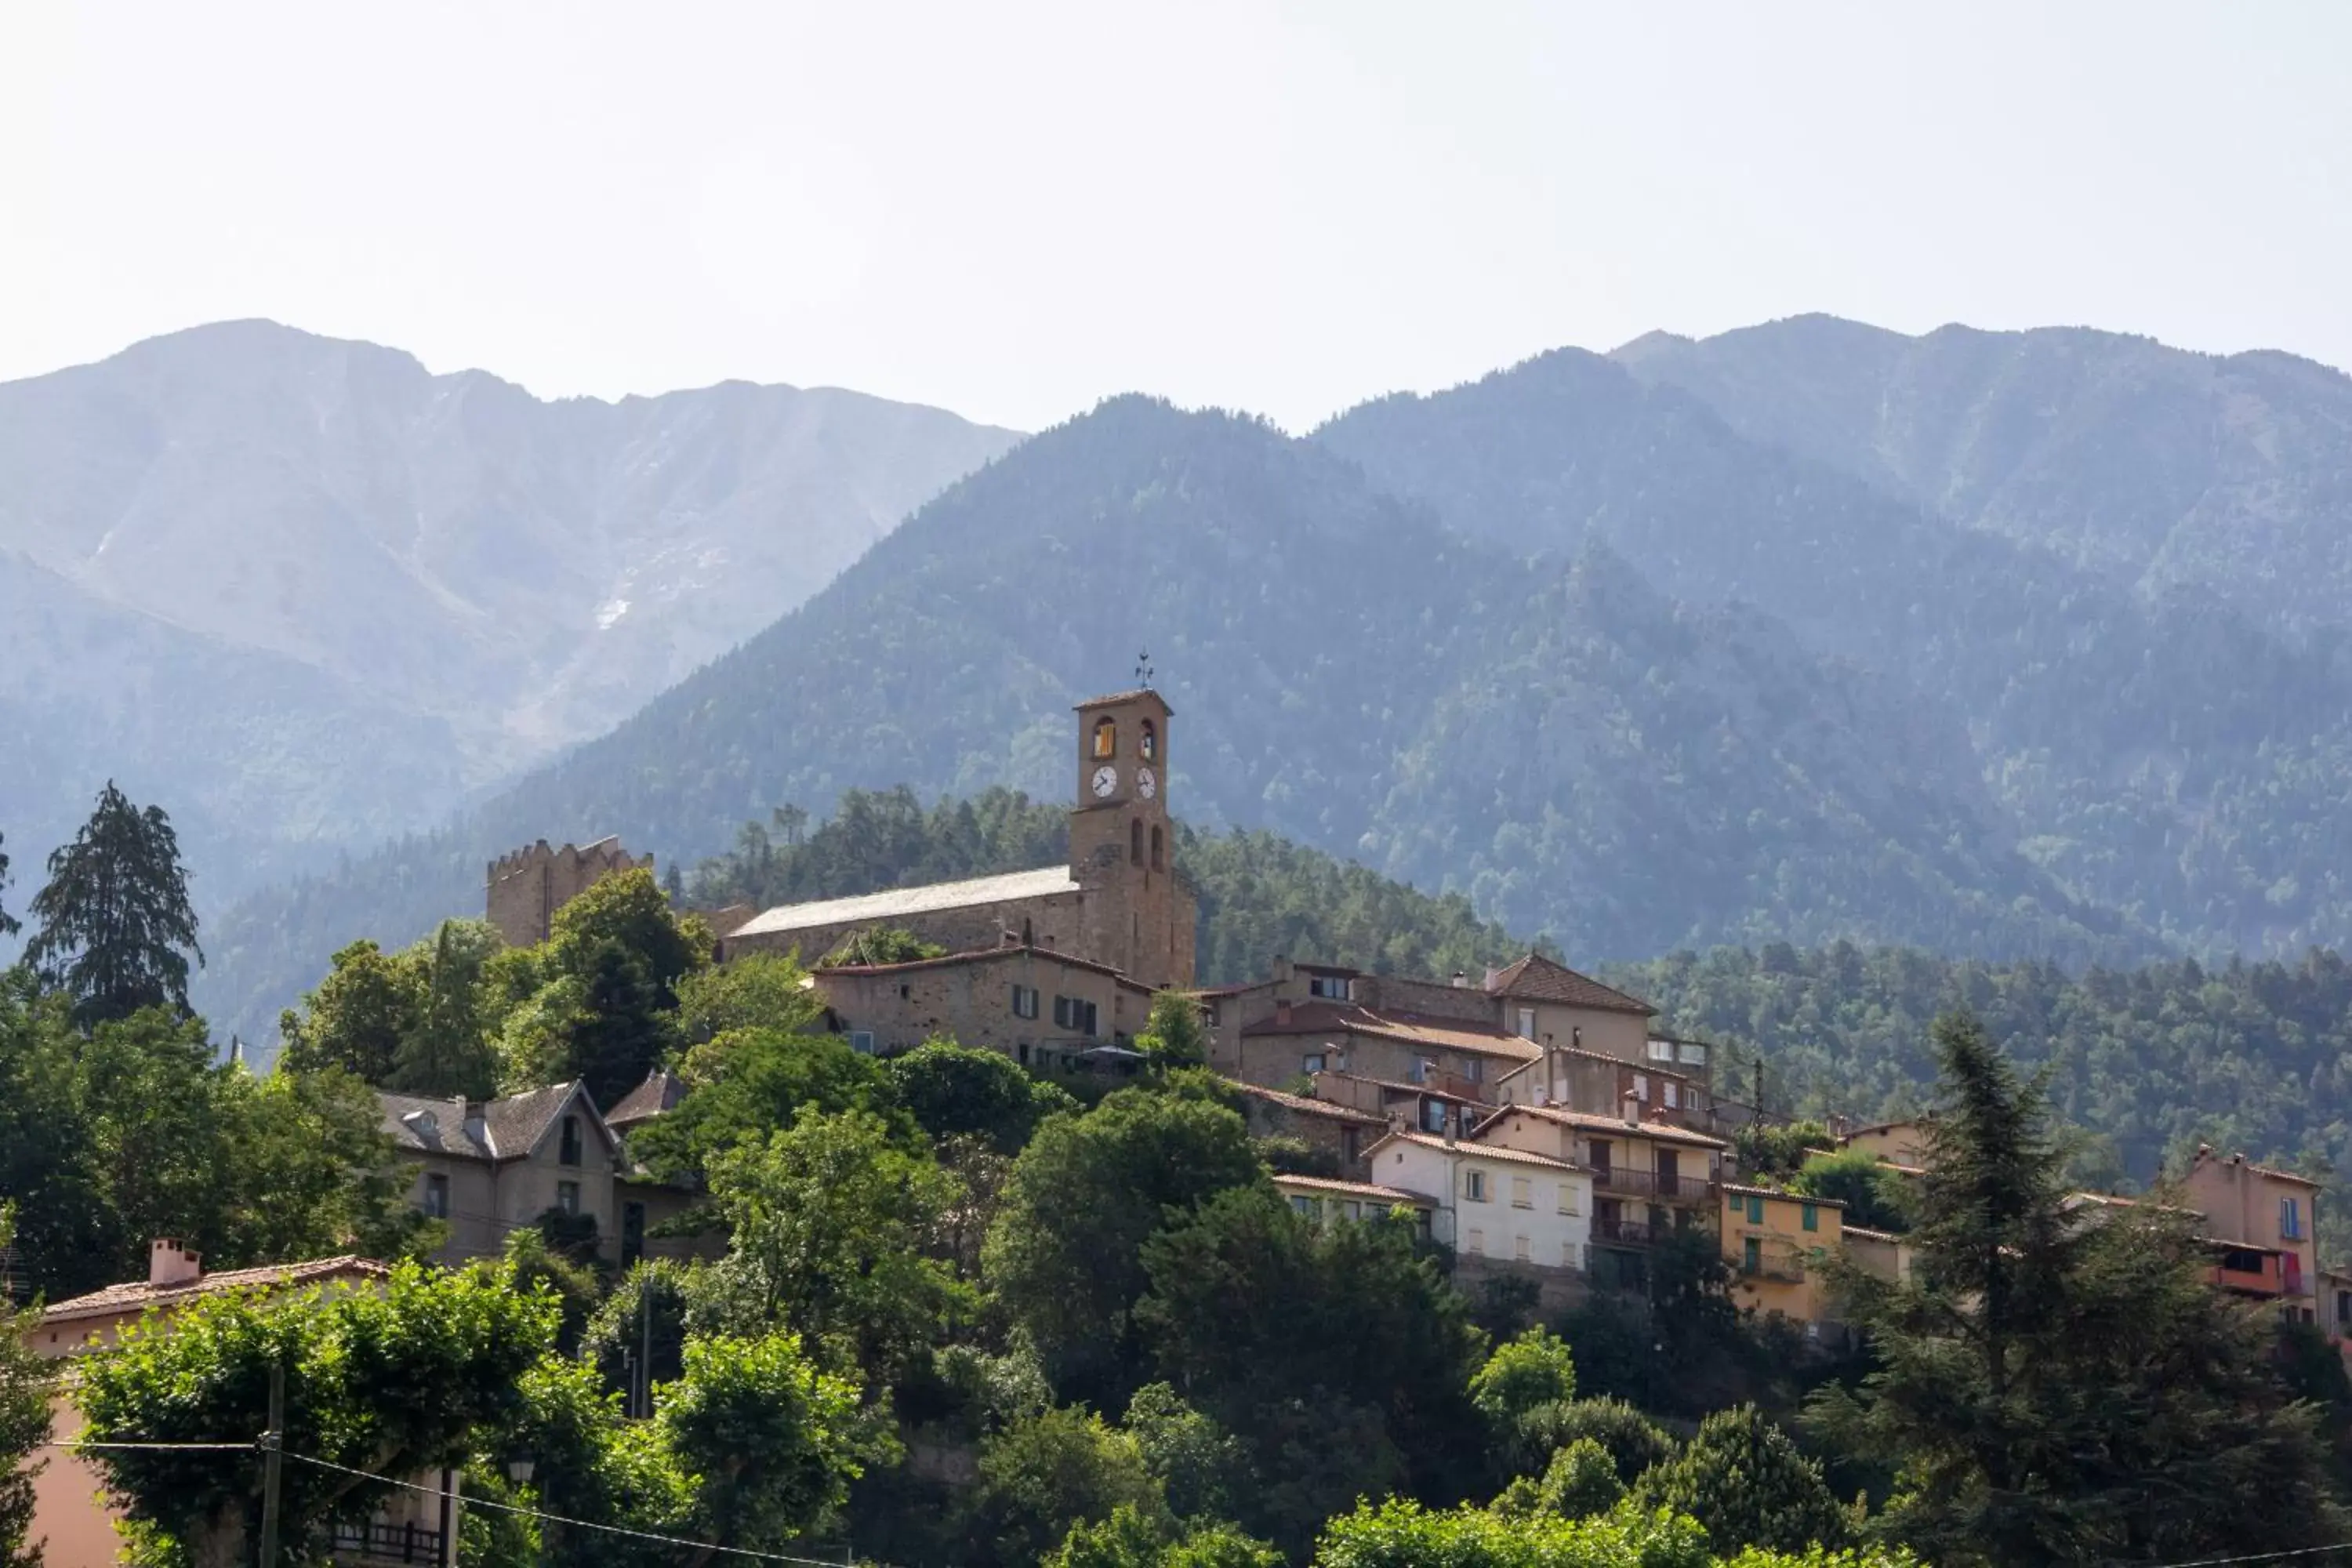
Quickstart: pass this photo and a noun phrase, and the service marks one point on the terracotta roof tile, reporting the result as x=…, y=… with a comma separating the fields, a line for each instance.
x=1306, y=1106
x=137, y=1296
x=1783, y=1196
x=1352, y=1189
x=1405, y=1028
x=1612, y=1124
x=1538, y=979
x=1473, y=1150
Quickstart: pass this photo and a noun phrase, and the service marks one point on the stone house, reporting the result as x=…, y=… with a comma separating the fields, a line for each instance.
x=1331, y=1202
x=1118, y=903
x=1341, y=1131
x=1577, y=1079
x=1426, y=1107
x=490, y=1168
x=1043, y=1008
x=1649, y=1178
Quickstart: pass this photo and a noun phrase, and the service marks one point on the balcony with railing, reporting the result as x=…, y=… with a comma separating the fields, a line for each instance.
x=1785, y=1270
x=1651, y=1184
x=381, y=1541
x=1622, y=1232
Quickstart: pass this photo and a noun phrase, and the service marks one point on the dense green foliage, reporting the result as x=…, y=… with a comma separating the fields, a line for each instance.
x=24, y=1383
x=1746, y=1483
x=115, y=928
x=2051, y=1391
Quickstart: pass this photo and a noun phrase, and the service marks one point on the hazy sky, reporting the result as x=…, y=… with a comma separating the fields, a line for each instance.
x=1014, y=210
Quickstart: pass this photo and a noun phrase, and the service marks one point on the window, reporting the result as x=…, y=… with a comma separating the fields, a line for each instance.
x=1673, y=1100
x=1105, y=738
x=1691, y=1054
x=1335, y=988
x=1433, y=1116
x=1568, y=1257
x=1600, y=1151
x=1150, y=740
x=1812, y=1217
x=2344, y=1305
x=1527, y=1023
x=1751, y=1255
x=861, y=1041
x=1477, y=1243
x=1355, y=1210
x=1642, y=1086
x=2291, y=1218
x=1755, y=1208
x=1474, y=1186
x=567, y=1197
x=1156, y=850
x=1662, y=1051
x=1135, y=841
x=633, y=1233
x=1474, y=1068
x=1311, y=1063
x=1074, y=1015
x=1519, y=1247
x=1421, y=1067
x=1568, y=1197
x=570, y=1153
x=1021, y=1053
x=1304, y=1207
x=436, y=1194
x=1025, y=1001
x=1523, y=1193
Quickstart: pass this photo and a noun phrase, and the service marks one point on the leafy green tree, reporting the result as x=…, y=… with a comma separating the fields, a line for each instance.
x=1044, y=1474
x=1175, y=1034
x=768, y=1078
x=386, y=1382
x=755, y=991
x=1131, y=1537
x=1776, y=1151
x=954, y=1091
x=9, y=925
x=25, y=1384
x=877, y=945
x=1520, y=1391
x=2059, y=1392
x=1632, y=1439
x=827, y=1222
x=1204, y=1467
x=1745, y=1481
x=1581, y=1482
x=116, y=927
x=1337, y=1354
x=1405, y=1534
x=591, y=1464
x=357, y=1018
x=448, y=1051
x=1874, y=1193
x=628, y=909
x=1069, y=1268
x=772, y=1440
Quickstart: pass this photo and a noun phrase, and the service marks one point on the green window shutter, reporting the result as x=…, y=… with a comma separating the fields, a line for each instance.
x=1752, y=1257
x=1754, y=1209
x=1812, y=1217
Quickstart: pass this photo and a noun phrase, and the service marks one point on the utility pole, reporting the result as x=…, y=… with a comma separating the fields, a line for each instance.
x=273, y=1463
x=645, y=1348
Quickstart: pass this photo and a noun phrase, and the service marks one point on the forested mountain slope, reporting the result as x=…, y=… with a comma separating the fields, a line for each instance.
x=2151, y=466
x=2178, y=761
x=1594, y=763
x=440, y=577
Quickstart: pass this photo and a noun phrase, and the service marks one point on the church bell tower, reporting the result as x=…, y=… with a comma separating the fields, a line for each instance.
x=1122, y=843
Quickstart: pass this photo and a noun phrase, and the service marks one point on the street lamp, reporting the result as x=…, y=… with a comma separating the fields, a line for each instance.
x=518, y=1469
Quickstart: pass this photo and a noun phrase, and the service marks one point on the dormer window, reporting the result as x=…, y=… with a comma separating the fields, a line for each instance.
x=1151, y=741
x=1106, y=740
x=569, y=1154
x=1333, y=987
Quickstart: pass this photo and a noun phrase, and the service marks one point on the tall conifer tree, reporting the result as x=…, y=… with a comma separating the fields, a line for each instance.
x=116, y=928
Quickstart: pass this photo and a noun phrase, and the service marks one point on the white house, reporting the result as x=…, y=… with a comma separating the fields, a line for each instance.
x=1506, y=1205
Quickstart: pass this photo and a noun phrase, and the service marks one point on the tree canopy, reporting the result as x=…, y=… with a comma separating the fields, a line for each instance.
x=116, y=929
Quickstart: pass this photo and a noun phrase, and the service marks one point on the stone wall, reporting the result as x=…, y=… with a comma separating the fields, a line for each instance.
x=971, y=1000
x=525, y=888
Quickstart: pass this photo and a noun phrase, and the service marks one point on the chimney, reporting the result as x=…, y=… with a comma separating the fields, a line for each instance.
x=1282, y=1010
x=1492, y=974
x=1632, y=1108
x=1453, y=1124
x=1460, y=980
x=169, y=1263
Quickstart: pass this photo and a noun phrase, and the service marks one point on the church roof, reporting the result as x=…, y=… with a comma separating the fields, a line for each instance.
x=897, y=903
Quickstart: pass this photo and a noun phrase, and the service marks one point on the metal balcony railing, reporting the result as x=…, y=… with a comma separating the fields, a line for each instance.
x=1624, y=1232
x=1787, y=1270
x=1650, y=1185
x=379, y=1540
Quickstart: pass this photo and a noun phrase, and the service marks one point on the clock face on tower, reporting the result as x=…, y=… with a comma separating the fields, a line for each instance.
x=1145, y=785
x=1106, y=780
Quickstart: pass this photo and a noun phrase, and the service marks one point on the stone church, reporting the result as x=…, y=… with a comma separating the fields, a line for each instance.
x=1117, y=905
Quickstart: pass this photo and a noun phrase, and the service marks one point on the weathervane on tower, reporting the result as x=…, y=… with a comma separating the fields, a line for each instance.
x=1143, y=671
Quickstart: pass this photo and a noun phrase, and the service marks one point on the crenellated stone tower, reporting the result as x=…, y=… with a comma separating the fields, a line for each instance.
x=527, y=887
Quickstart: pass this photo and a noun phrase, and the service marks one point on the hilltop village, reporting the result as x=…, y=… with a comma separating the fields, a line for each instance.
x=1524, y=1124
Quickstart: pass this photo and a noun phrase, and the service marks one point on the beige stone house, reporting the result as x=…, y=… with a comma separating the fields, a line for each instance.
x=490, y=1168
x=1043, y=1008
x=1649, y=1178
x=1341, y=1132
x=1500, y=1210
x=1118, y=903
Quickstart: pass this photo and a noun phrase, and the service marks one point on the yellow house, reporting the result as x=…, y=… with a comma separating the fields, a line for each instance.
x=1775, y=1243
x=1902, y=1143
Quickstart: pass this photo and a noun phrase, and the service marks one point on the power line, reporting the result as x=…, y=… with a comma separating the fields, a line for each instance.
x=2261, y=1556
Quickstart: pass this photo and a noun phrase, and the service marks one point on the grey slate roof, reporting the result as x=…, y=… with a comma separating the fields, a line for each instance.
x=896, y=902
x=510, y=1128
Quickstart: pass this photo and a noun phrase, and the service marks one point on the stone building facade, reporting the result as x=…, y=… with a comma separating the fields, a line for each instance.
x=1045, y=1009
x=1119, y=903
x=527, y=887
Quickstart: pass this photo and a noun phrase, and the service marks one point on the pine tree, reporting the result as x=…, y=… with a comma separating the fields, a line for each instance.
x=2060, y=1391
x=8, y=923
x=116, y=925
